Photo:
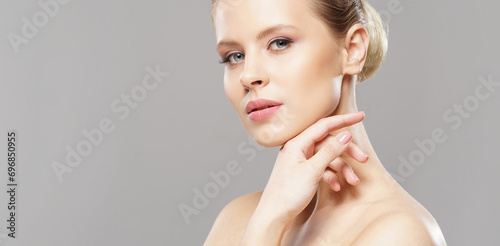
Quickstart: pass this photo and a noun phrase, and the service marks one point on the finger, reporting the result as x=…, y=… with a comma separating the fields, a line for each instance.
x=337, y=164
x=331, y=179
x=355, y=152
x=350, y=176
x=322, y=128
x=352, y=150
x=341, y=166
x=332, y=149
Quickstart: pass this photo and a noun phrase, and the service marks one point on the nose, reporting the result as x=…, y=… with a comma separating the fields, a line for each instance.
x=254, y=75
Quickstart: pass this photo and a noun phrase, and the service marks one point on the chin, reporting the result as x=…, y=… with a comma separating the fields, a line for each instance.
x=269, y=143
x=266, y=139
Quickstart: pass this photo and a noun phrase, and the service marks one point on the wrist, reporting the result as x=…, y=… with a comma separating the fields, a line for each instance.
x=266, y=227
x=269, y=221
x=265, y=230
x=272, y=217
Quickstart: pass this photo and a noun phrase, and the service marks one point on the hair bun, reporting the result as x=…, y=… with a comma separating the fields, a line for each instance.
x=378, y=41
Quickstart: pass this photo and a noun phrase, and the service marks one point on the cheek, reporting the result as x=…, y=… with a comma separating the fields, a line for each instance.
x=310, y=88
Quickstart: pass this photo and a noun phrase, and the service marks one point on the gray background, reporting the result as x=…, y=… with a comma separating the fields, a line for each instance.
x=128, y=189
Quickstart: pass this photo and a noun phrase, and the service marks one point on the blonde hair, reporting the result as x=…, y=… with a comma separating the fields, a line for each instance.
x=340, y=15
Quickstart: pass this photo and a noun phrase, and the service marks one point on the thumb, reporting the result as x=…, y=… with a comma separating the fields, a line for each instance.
x=333, y=147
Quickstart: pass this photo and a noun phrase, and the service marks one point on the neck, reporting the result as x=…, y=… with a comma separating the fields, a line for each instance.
x=374, y=178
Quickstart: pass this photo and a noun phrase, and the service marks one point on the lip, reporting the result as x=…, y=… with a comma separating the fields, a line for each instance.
x=272, y=107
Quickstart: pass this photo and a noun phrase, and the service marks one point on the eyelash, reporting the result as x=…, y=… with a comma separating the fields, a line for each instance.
x=287, y=41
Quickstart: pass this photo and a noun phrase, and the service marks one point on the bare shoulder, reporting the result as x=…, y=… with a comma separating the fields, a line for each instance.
x=401, y=228
x=229, y=226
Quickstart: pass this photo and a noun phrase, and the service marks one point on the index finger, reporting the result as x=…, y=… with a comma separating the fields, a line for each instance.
x=319, y=130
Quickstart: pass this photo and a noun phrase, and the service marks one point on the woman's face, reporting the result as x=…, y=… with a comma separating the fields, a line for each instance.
x=298, y=66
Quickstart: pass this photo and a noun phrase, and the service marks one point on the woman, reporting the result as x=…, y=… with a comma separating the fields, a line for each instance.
x=291, y=67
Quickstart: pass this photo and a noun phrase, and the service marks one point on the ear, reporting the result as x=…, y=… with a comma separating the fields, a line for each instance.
x=356, y=48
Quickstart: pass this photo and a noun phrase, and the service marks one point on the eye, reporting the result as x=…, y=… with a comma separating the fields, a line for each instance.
x=237, y=56
x=281, y=42
x=234, y=58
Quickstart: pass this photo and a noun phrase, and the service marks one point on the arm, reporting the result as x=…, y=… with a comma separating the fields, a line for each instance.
x=264, y=229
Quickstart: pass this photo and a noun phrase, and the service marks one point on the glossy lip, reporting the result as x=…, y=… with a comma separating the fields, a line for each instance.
x=263, y=114
x=260, y=103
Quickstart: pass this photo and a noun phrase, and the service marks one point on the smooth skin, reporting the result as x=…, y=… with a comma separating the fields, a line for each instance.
x=320, y=192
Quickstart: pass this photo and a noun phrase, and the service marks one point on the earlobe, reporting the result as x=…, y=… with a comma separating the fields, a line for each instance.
x=356, y=44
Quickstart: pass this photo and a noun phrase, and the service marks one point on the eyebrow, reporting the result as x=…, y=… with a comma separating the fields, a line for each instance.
x=260, y=36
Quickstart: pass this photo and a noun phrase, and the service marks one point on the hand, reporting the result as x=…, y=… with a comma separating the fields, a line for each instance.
x=340, y=166
x=304, y=161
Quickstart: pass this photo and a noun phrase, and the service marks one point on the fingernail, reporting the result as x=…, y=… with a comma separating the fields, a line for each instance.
x=344, y=137
x=355, y=177
x=366, y=156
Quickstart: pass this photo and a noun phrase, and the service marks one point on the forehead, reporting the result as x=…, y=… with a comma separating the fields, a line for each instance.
x=235, y=19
